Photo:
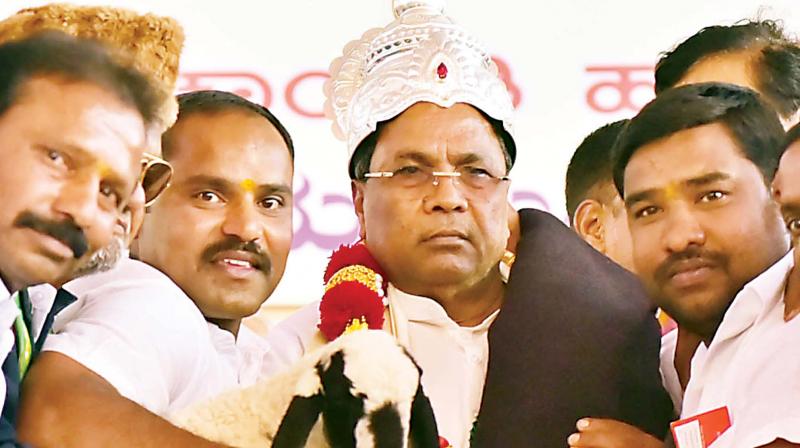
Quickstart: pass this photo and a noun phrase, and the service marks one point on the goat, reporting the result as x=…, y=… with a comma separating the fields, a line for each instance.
x=365, y=386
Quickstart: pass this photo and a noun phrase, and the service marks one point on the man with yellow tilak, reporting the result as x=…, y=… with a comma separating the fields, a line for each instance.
x=72, y=132
x=132, y=346
x=507, y=360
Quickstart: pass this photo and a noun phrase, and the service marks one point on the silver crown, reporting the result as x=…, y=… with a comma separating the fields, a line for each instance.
x=421, y=56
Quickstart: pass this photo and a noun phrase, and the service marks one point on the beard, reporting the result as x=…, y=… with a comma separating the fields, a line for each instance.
x=104, y=259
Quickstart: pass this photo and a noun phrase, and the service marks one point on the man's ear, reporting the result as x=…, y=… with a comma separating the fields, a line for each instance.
x=513, y=228
x=357, y=190
x=588, y=223
x=136, y=210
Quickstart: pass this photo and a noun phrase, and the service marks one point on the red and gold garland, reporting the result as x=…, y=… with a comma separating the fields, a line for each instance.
x=355, y=295
x=355, y=292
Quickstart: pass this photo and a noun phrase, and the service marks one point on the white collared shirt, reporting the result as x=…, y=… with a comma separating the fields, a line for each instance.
x=138, y=330
x=669, y=376
x=42, y=298
x=752, y=366
x=8, y=313
x=247, y=353
x=454, y=359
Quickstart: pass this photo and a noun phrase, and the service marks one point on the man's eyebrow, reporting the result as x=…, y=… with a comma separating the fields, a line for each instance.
x=694, y=182
x=706, y=179
x=639, y=196
x=275, y=188
x=414, y=156
x=790, y=209
x=225, y=186
x=82, y=155
x=467, y=158
x=216, y=183
x=424, y=159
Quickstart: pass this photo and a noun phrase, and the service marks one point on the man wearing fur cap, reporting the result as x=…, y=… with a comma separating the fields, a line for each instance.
x=152, y=45
x=507, y=360
x=147, y=43
x=72, y=132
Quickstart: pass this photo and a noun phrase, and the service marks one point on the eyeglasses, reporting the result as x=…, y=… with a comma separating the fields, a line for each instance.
x=155, y=177
x=475, y=179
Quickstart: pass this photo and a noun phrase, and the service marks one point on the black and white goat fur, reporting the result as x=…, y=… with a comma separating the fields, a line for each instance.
x=365, y=387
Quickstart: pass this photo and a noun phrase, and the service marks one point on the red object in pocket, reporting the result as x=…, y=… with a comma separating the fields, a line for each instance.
x=701, y=430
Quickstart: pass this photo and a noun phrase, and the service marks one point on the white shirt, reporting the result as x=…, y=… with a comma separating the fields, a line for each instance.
x=669, y=376
x=752, y=366
x=454, y=359
x=247, y=354
x=138, y=330
x=8, y=313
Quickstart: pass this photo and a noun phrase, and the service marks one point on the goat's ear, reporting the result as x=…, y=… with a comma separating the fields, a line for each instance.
x=422, y=427
x=342, y=410
x=300, y=417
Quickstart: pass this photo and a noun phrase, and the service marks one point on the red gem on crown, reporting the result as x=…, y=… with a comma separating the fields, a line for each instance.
x=441, y=71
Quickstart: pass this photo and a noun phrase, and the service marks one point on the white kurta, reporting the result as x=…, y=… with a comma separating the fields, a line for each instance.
x=752, y=366
x=454, y=359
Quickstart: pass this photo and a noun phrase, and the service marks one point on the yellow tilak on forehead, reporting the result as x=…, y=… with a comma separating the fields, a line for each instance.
x=671, y=191
x=102, y=168
x=248, y=185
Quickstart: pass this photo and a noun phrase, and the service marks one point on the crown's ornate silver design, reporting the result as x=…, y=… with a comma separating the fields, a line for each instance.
x=421, y=56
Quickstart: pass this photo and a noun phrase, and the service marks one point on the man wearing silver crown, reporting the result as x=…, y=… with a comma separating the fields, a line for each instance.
x=507, y=360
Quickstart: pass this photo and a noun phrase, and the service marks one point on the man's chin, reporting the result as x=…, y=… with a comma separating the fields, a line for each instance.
x=698, y=314
x=48, y=271
x=231, y=309
x=443, y=275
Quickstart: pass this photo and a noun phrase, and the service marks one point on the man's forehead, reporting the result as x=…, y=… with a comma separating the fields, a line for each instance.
x=236, y=174
x=682, y=157
x=219, y=131
x=428, y=120
x=90, y=123
x=228, y=140
x=671, y=183
x=427, y=129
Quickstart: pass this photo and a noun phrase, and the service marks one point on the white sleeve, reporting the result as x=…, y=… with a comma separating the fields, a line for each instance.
x=767, y=407
x=787, y=428
x=144, y=339
x=292, y=338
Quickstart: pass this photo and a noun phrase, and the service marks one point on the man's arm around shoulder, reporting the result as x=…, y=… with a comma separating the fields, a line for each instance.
x=64, y=405
x=645, y=402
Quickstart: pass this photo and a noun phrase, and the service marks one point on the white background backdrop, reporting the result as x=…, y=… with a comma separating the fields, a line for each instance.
x=278, y=51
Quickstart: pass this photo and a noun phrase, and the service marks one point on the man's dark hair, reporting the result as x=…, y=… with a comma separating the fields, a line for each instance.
x=752, y=124
x=775, y=59
x=792, y=137
x=591, y=165
x=213, y=101
x=362, y=156
x=57, y=54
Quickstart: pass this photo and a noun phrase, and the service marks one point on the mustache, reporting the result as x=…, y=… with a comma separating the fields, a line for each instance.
x=668, y=266
x=232, y=243
x=66, y=231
